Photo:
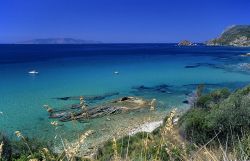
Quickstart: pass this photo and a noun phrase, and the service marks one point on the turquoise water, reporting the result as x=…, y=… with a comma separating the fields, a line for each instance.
x=74, y=70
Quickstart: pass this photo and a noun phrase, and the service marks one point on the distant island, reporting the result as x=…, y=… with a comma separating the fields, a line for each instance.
x=59, y=41
x=237, y=35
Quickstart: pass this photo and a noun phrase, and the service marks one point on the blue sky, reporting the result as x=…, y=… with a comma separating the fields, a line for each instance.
x=120, y=20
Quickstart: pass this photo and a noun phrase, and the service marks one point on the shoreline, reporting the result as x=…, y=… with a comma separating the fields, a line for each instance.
x=146, y=127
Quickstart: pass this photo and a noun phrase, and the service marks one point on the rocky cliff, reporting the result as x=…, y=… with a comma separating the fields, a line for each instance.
x=237, y=35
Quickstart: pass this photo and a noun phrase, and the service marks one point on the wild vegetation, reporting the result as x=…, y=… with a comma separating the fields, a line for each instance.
x=216, y=127
x=24, y=149
x=238, y=35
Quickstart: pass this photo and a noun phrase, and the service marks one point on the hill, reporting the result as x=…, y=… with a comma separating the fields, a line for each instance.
x=59, y=41
x=238, y=35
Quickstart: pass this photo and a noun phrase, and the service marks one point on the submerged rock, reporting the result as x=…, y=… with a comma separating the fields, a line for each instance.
x=124, y=104
x=204, y=65
x=162, y=88
x=240, y=67
x=89, y=98
x=185, y=102
x=193, y=66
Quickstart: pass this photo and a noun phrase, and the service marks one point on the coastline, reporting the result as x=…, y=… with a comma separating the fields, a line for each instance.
x=146, y=127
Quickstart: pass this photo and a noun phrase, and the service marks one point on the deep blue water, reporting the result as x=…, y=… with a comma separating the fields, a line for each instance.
x=73, y=70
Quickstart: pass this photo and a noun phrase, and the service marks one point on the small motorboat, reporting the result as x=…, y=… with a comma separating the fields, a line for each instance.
x=33, y=72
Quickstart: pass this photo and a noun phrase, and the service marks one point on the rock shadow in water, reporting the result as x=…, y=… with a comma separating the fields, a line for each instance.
x=141, y=90
x=204, y=65
x=90, y=98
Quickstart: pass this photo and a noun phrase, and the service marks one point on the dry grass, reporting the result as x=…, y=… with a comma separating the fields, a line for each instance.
x=1, y=149
x=72, y=149
x=173, y=145
x=170, y=140
x=19, y=135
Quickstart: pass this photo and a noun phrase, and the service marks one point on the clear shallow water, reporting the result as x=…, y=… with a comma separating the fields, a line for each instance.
x=73, y=70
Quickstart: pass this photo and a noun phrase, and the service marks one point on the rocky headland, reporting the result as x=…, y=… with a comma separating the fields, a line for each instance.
x=237, y=35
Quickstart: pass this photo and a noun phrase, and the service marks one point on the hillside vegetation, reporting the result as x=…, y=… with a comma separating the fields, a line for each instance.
x=238, y=35
x=216, y=127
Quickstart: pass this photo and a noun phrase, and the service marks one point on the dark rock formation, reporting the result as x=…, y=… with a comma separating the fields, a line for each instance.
x=185, y=43
x=124, y=104
x=89, y=98
x=204, y=65
x=185, y=102
x=162, y=88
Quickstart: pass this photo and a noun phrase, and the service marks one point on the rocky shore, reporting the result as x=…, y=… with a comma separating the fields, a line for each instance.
x=185, y=43
x=146, y=127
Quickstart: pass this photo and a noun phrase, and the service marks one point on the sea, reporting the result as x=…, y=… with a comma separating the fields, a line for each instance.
x=166, y=72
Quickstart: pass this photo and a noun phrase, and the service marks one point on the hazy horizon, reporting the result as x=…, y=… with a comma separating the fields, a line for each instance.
x=141, y=21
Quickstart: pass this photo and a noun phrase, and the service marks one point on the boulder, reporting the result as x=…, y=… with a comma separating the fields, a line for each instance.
x=185, y=43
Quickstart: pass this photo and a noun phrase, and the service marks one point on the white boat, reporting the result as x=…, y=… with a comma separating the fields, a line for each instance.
x=116, y=72
x=33, y=72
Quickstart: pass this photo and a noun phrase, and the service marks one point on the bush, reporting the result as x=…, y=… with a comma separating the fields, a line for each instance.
x=243, y=147
x=212, y=99
x=18, y=150
x=194, y=127
x=6, y=150
x=219, y=113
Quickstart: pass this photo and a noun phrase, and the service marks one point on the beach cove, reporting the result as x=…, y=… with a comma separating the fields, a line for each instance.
x=164, y=72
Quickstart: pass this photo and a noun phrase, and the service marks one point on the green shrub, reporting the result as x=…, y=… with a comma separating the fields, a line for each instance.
x=20, y=149
x=243, y=147
x=219, y=113
x=194, y=126
x=17, y=150
x=6, y=150
x=212, y=99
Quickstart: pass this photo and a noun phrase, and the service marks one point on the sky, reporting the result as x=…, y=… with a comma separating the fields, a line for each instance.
x=120, y=21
